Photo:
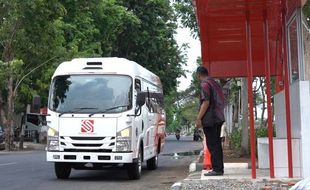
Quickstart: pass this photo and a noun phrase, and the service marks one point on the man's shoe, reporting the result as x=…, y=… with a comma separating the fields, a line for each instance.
x=214, y=173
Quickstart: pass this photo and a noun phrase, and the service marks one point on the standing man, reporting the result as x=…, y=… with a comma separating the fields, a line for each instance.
x=211, y=118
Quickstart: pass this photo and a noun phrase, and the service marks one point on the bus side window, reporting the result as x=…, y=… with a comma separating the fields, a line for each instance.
x=138, y=85
x=149, y=105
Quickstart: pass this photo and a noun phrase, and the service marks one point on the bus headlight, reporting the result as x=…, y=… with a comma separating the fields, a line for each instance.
x=123, y=140
x=52, y=140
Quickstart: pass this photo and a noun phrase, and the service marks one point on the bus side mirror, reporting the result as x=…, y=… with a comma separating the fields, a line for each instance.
x=140, y=99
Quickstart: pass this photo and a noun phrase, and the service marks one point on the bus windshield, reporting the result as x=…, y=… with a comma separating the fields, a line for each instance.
x=91, y=93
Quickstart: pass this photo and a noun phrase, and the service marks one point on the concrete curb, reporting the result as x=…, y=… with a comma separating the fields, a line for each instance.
x=193, y=167
x=34, y=146
x=196, y=165
x=176, y=186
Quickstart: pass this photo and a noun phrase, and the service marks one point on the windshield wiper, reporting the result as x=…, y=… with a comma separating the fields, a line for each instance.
x=76, y=109
x=120, y=106
x=109, y=109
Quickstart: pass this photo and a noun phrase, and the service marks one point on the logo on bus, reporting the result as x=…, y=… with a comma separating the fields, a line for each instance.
x=87, y=126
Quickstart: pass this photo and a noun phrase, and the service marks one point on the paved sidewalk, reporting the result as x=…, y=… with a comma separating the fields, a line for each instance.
x=237, y=177
x=34, y=146
x=28, y=146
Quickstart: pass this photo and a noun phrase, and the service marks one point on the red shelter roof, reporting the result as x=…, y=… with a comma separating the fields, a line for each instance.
x=246, y=38
x=223, y=34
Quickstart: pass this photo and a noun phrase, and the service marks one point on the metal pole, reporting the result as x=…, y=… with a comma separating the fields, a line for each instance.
x=268, y=93
x=250, y=93
x=287, y=98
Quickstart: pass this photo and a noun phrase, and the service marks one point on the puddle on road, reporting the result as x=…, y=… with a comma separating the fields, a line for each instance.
x=180, y=155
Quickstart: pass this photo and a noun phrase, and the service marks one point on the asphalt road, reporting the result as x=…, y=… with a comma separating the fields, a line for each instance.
x=30, y=171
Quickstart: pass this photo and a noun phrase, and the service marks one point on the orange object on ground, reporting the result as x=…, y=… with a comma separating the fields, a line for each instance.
x=207, y=165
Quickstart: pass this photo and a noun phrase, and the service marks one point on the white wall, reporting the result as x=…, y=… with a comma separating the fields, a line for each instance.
x=300, y=119
x=280, y=113
x=305, y=126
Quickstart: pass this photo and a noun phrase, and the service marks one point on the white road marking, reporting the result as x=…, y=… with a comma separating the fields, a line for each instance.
x=8, y=164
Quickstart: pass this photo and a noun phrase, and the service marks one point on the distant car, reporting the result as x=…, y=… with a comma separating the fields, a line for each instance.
x=1, y=135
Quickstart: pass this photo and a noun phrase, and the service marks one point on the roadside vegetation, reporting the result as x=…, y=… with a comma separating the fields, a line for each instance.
x=35, y=36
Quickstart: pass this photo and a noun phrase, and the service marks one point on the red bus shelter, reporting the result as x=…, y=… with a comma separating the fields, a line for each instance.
x=249, y=38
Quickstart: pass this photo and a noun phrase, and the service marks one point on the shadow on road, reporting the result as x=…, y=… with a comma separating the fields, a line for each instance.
x=111, y=175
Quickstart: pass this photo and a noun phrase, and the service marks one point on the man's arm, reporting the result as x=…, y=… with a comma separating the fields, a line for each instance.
x=205, y=97
x=203, y=108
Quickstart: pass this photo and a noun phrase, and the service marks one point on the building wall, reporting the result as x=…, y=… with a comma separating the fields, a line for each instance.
x=305, y=126
x=280, y=113
x=300, y=122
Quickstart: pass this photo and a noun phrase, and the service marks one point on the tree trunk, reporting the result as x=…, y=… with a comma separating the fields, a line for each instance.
x=22, y=131
x=8, y=120
x=263, y=85
x=263, y=123
x=236, y=112
x=236, y=108
x=2, y=111
x=245, y=118
x=9, y=132
x=255, y=106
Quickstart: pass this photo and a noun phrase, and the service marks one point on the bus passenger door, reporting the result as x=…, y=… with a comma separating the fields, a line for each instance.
x=150, y=130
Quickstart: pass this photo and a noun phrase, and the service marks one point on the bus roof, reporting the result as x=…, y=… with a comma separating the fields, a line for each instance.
x=110, y=65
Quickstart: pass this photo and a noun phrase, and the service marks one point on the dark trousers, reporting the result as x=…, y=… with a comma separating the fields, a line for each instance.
x=214, y=144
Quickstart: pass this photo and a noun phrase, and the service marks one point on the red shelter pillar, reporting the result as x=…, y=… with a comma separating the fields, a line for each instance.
x=268, y=93
x=287, y=96
x=250, y=93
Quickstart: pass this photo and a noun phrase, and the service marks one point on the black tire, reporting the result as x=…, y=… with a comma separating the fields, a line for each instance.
x=134, y=170
x=62, y=170
x=152, y=163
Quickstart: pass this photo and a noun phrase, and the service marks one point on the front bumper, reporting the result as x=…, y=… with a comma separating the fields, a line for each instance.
x=90, y=157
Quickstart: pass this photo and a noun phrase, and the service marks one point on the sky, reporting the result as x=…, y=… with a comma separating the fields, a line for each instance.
x=194, y=50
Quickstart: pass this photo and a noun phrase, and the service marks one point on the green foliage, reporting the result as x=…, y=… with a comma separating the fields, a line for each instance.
x=195, y=84
x=306, y=10
x=186, y=13
x=29, y=32
x=151, y=43
x=182, y=107
x=190, y=110
x=181, y=111
x=261, y=132
x=236, y=135
x=172, y=112
x=142, y=31
x=234, y=91
x=235, y=139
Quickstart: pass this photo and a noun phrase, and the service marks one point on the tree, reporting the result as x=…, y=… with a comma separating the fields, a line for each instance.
x=182, y=107
x=186, y=14
x=244, y=116
x=28, y=29
x=45, y=33
x=151, y=42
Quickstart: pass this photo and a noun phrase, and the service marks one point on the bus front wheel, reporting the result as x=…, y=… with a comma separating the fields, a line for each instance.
x=62, y=170
x=134, y=170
